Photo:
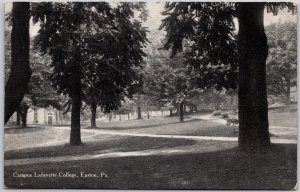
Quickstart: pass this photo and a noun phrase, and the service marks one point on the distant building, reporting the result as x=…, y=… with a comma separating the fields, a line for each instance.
x=45, y=116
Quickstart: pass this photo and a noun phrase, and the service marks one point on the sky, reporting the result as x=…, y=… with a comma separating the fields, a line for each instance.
x=155, y=17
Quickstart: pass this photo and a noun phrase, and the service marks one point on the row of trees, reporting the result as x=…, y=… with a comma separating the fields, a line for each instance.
x=97, y=56
x=95, y=50
x=210, y=28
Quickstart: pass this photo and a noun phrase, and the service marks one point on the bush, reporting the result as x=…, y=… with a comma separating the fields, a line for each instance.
x=217, y=113
x=233, y=121
x=224, y=115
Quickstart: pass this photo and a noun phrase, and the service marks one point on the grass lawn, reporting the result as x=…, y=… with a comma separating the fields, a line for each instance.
x=227, y=169
x=169, y=126
x=281, y=117
x=161, y=163
x=34, y=135
x=98, y=145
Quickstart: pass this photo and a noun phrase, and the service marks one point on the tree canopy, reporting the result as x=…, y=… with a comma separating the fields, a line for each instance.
x=214, y=46
x=94, y=50
x=282, y=59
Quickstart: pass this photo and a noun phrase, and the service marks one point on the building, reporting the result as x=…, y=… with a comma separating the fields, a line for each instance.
x=45, y=116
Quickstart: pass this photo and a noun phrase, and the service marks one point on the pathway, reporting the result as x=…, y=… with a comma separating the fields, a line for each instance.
x=227, y=142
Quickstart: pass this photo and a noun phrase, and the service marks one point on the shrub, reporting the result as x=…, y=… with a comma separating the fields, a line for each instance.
x=224, y=115
x=217, y=113
x=233, y=121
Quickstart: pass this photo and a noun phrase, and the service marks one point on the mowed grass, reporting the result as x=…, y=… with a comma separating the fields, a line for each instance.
x=169, y=126
x=226, y=169
x=99, y=144
x=196, y=164
x=15, y=137
x=282, y=117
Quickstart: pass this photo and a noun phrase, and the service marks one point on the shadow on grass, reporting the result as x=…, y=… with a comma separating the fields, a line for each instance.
x=20, y=130
x=228, y=169
x=113, y=143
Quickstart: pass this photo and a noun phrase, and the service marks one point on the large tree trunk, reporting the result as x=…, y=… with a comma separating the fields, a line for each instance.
x=18, y=117
x=75, y=136
x=24, y=118
x=20, y=73
x=23, y=113
x=94, y=113
x=252, y=55
x=139, y=112
x=181, y=108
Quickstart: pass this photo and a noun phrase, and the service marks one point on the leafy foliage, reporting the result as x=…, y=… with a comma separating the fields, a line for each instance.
x=205, y=32
x=167, y=80
x=282, y=60
x=108, y=39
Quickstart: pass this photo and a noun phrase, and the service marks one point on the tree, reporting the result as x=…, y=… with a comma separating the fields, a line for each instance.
x=94, y=49
x=168, y=82
x=40, y=93
x=23, y=109
x=115, y=76
x=211, y=26
x=20, y=72
x=126, y=108
x=282, y=59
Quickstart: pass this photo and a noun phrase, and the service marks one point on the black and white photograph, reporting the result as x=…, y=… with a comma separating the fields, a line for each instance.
x=150, y=95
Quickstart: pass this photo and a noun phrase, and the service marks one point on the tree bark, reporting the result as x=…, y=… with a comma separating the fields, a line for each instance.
x=75, y=136
x=18, y=117
x=288, y=91
x=217, y=103
x=181, y=108
x=24, y=119
x=23, y=114
x=139, y=112
x=109, y=117
x=94, y=113
x=252, y=55
x=20, y=73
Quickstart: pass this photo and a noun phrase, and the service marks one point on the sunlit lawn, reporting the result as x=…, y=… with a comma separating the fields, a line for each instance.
x=182, y=164
x=171, y=126
x=282, y=117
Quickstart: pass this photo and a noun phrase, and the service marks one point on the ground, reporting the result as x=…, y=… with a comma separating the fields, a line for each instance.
x=159, y=153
